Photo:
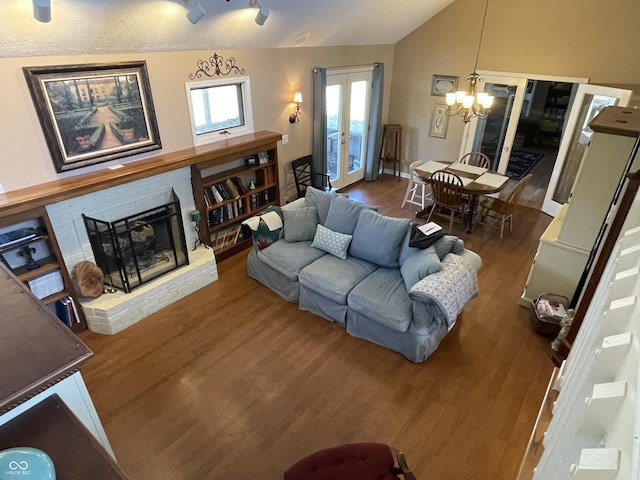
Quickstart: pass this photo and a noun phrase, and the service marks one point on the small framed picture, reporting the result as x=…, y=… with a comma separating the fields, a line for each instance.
x=439, y=121
x=443, y=84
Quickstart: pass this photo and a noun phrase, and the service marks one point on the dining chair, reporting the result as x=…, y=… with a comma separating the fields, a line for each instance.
x=494, y=211
x=448, y=195
x=416, y=183
x=477, y=159
x=303, y=176
x=355, y=461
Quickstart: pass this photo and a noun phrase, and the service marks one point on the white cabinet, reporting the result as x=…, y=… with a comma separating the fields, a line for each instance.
x=600, y=172
x=557, y=267
x=565, y=246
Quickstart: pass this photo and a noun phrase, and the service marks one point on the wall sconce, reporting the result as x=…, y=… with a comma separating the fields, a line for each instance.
x=42, y=10
x=196, y=12
x=263, y=12
x=295, y=117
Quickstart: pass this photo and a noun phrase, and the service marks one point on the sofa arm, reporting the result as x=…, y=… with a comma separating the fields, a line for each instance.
x=447, y=291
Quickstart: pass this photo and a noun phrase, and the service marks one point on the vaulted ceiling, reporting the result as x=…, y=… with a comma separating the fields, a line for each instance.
x=126, y=26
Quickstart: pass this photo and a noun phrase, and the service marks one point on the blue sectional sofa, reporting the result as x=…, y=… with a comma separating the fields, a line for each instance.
x=347, y=263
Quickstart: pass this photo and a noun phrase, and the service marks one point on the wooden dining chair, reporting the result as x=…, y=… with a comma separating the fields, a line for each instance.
x=477, y=159
x=416, y=186
x=495, y=212
x=448, y=195
x=303, y=176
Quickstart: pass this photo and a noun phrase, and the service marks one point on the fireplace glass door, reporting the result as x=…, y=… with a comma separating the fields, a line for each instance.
x=137, y=249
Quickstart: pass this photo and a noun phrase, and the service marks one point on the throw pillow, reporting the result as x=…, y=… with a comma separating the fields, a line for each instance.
x=343, y=215
x=377, y=238
x=335, y=243
x=320, y=200
x=448, y=244
x=420, y=264
x=300, y=224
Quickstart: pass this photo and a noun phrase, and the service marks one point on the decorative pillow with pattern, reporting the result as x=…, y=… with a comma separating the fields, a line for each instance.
x=335, y=243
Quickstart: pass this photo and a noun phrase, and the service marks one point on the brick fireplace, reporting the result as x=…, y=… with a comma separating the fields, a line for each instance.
x=111, y=313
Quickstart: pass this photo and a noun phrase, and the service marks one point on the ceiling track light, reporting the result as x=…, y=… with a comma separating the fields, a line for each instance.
x=263, y=12
x=196, y=12
x=42, y=10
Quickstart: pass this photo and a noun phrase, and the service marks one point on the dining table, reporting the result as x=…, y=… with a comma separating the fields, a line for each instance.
x=476, y=181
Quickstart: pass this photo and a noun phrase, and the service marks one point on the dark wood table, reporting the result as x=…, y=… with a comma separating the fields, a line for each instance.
x=479, y=181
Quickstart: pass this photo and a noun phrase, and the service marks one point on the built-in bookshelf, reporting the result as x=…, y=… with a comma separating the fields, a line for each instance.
x=30, y=250
x=233, y=186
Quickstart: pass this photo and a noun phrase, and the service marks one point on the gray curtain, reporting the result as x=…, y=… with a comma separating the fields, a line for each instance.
x=374, y=145
x=319, y=163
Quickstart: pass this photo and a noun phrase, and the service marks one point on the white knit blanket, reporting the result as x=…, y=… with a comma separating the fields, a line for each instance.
x=448, y=290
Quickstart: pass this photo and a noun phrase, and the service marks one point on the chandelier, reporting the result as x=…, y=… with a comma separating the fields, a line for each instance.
x=469, y=104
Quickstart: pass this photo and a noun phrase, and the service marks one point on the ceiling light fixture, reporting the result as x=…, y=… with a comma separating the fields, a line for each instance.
x=471, y=104
x=42, y=10
x=196, y=12
x=263, y=12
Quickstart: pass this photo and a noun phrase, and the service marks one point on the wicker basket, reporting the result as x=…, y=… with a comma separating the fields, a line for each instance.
x=543, y=324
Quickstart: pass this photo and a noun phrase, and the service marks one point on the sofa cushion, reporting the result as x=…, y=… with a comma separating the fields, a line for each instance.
x=320, y=200
x=448, y=244
x=383, y=297
x=289, y=258
x=335, y=243
x=420, y=264
x=300, y=224
x=377, y=238
x=343, y=214
x=335, y=278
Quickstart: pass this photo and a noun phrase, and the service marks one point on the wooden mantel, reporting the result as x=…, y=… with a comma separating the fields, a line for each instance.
x=37, y=196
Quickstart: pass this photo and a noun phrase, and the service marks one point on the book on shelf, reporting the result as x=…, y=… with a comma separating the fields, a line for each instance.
x=240, y=186
x=232, y=188
x=216, y=194
x=63, y=312
x=222, y=191
x=67, y=311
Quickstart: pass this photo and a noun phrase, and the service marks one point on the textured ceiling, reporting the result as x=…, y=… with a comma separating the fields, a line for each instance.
x=127, y=26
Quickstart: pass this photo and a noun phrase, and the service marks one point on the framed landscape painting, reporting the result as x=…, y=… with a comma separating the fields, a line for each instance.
x=95, y=112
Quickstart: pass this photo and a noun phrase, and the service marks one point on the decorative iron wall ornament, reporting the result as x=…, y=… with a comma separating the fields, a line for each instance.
x=216, y=66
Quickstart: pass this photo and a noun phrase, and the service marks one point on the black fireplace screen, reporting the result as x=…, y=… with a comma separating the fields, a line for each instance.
x=136, y=249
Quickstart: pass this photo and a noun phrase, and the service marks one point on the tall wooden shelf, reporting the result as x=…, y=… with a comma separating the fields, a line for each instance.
x=49, y=259
x=221, y=218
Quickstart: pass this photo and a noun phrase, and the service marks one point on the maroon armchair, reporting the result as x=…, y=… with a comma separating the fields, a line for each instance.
x=356, y=461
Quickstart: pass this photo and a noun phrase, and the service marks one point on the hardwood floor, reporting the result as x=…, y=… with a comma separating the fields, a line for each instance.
x=232, y=382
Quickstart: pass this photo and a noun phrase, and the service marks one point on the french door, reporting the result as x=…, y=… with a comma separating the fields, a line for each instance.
x=495, y=134
x=587, y=103
x=348, y=94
